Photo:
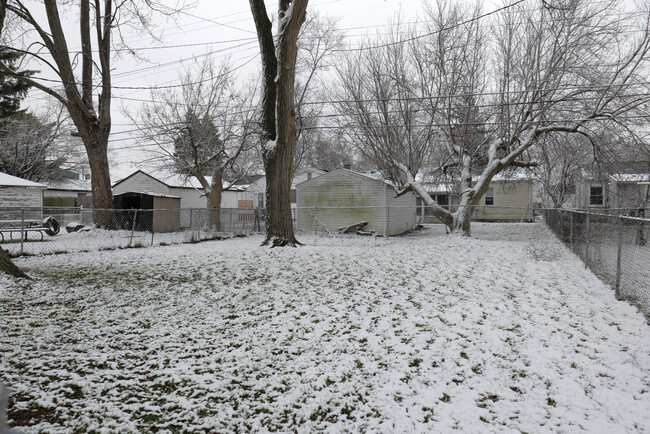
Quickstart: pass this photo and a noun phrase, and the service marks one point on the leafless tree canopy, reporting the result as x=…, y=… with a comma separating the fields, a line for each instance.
x=201, y=128
x=471, y=93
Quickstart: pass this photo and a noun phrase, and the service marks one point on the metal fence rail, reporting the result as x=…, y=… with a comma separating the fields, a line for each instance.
x=30, y=231
x=615, y=248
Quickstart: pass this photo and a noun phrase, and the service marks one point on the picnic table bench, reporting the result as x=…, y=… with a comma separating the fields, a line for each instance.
x=48, y=225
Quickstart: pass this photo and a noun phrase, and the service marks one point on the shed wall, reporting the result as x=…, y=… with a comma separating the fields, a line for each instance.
x=166, y=217
x=342, y=200
x=13, y=196
x=401, y=212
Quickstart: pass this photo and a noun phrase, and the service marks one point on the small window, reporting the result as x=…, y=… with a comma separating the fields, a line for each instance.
x=418, y=206
x=308, y=176
x=596, y=196
x=489, y=197
x=293, y=195
x=260, y=200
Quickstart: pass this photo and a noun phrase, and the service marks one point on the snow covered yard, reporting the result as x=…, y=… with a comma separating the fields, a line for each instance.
x=412, y=334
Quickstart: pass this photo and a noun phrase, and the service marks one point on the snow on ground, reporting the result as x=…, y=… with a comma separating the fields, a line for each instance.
x=420, y=333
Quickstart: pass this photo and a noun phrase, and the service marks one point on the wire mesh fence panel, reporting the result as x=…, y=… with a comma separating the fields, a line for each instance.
x=634, y=281
x=615, y=248
x=67, y=230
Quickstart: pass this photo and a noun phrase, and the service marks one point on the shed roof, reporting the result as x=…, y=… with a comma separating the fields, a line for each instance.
x=149, y=193
x=70, y=185
x=365, y=176
x=7, y=180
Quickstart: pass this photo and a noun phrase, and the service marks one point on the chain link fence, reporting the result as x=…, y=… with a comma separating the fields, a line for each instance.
x=34, y=231
x=615, y=248
x=377, y=220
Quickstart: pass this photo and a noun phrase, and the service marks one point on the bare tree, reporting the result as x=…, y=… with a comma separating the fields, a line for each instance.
x=80, y=73
x=319, y=38
x=6, y=264
x=278, y=112
x=561, y=67
x=34, y=145
x=201, y=128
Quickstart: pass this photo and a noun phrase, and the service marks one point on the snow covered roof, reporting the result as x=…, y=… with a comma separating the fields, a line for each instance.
x=70, y=185
x=7, y=180
x=373, y=176
x=173, y=180
x=630, y=177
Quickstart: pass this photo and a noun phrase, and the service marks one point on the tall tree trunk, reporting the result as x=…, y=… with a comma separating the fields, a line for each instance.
x=278, y=113
x=213, y=195
x=100, y=180
x=6, y=264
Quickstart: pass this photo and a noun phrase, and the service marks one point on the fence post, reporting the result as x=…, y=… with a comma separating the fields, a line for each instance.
x=152, y=226
x=22, y=229
x=587, y=242
x=191, y=220
x=387, y=221
x=571, y=230
x=315, y=219
x=618, y=258
x=135, y=216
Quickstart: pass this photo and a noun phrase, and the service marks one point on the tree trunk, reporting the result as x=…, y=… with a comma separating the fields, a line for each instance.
x=100, y=179
x=213, y=195
x=278, y=113
x=8, y=266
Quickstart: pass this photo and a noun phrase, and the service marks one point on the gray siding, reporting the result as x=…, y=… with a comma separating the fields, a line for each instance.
x=22, y=197
x=401, y=212
x=139, y=182
x=343, y=197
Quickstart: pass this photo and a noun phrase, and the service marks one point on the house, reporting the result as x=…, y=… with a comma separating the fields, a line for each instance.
x=509, y=197
x=20, y=193
x=68, y=189
x=189, y=191
x=622, y=188
x=342, y=197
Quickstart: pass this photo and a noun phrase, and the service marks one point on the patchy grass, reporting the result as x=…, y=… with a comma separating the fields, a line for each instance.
x=418, y=333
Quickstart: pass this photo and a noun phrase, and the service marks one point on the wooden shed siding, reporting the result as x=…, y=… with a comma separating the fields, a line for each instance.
x=11, y=196
x=365, y=199
x=163, y=220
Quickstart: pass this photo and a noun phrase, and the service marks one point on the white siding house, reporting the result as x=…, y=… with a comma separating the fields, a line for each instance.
x=189, y=191
x=20, y=193
x=342, y=197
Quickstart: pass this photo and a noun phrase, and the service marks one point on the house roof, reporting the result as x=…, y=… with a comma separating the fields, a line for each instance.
x=70, y=185
x=172, y=180
x=630, y=177
x=7, y=180
x=149, y=193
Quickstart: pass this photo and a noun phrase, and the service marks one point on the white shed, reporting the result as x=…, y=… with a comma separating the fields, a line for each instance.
x=20, y=193
x=342, y=197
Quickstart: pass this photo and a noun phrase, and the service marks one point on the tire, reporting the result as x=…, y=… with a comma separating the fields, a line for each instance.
x=52, y=227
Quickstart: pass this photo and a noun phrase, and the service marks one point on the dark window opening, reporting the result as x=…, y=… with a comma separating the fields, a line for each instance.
x=596, y=196
x=489, y=197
